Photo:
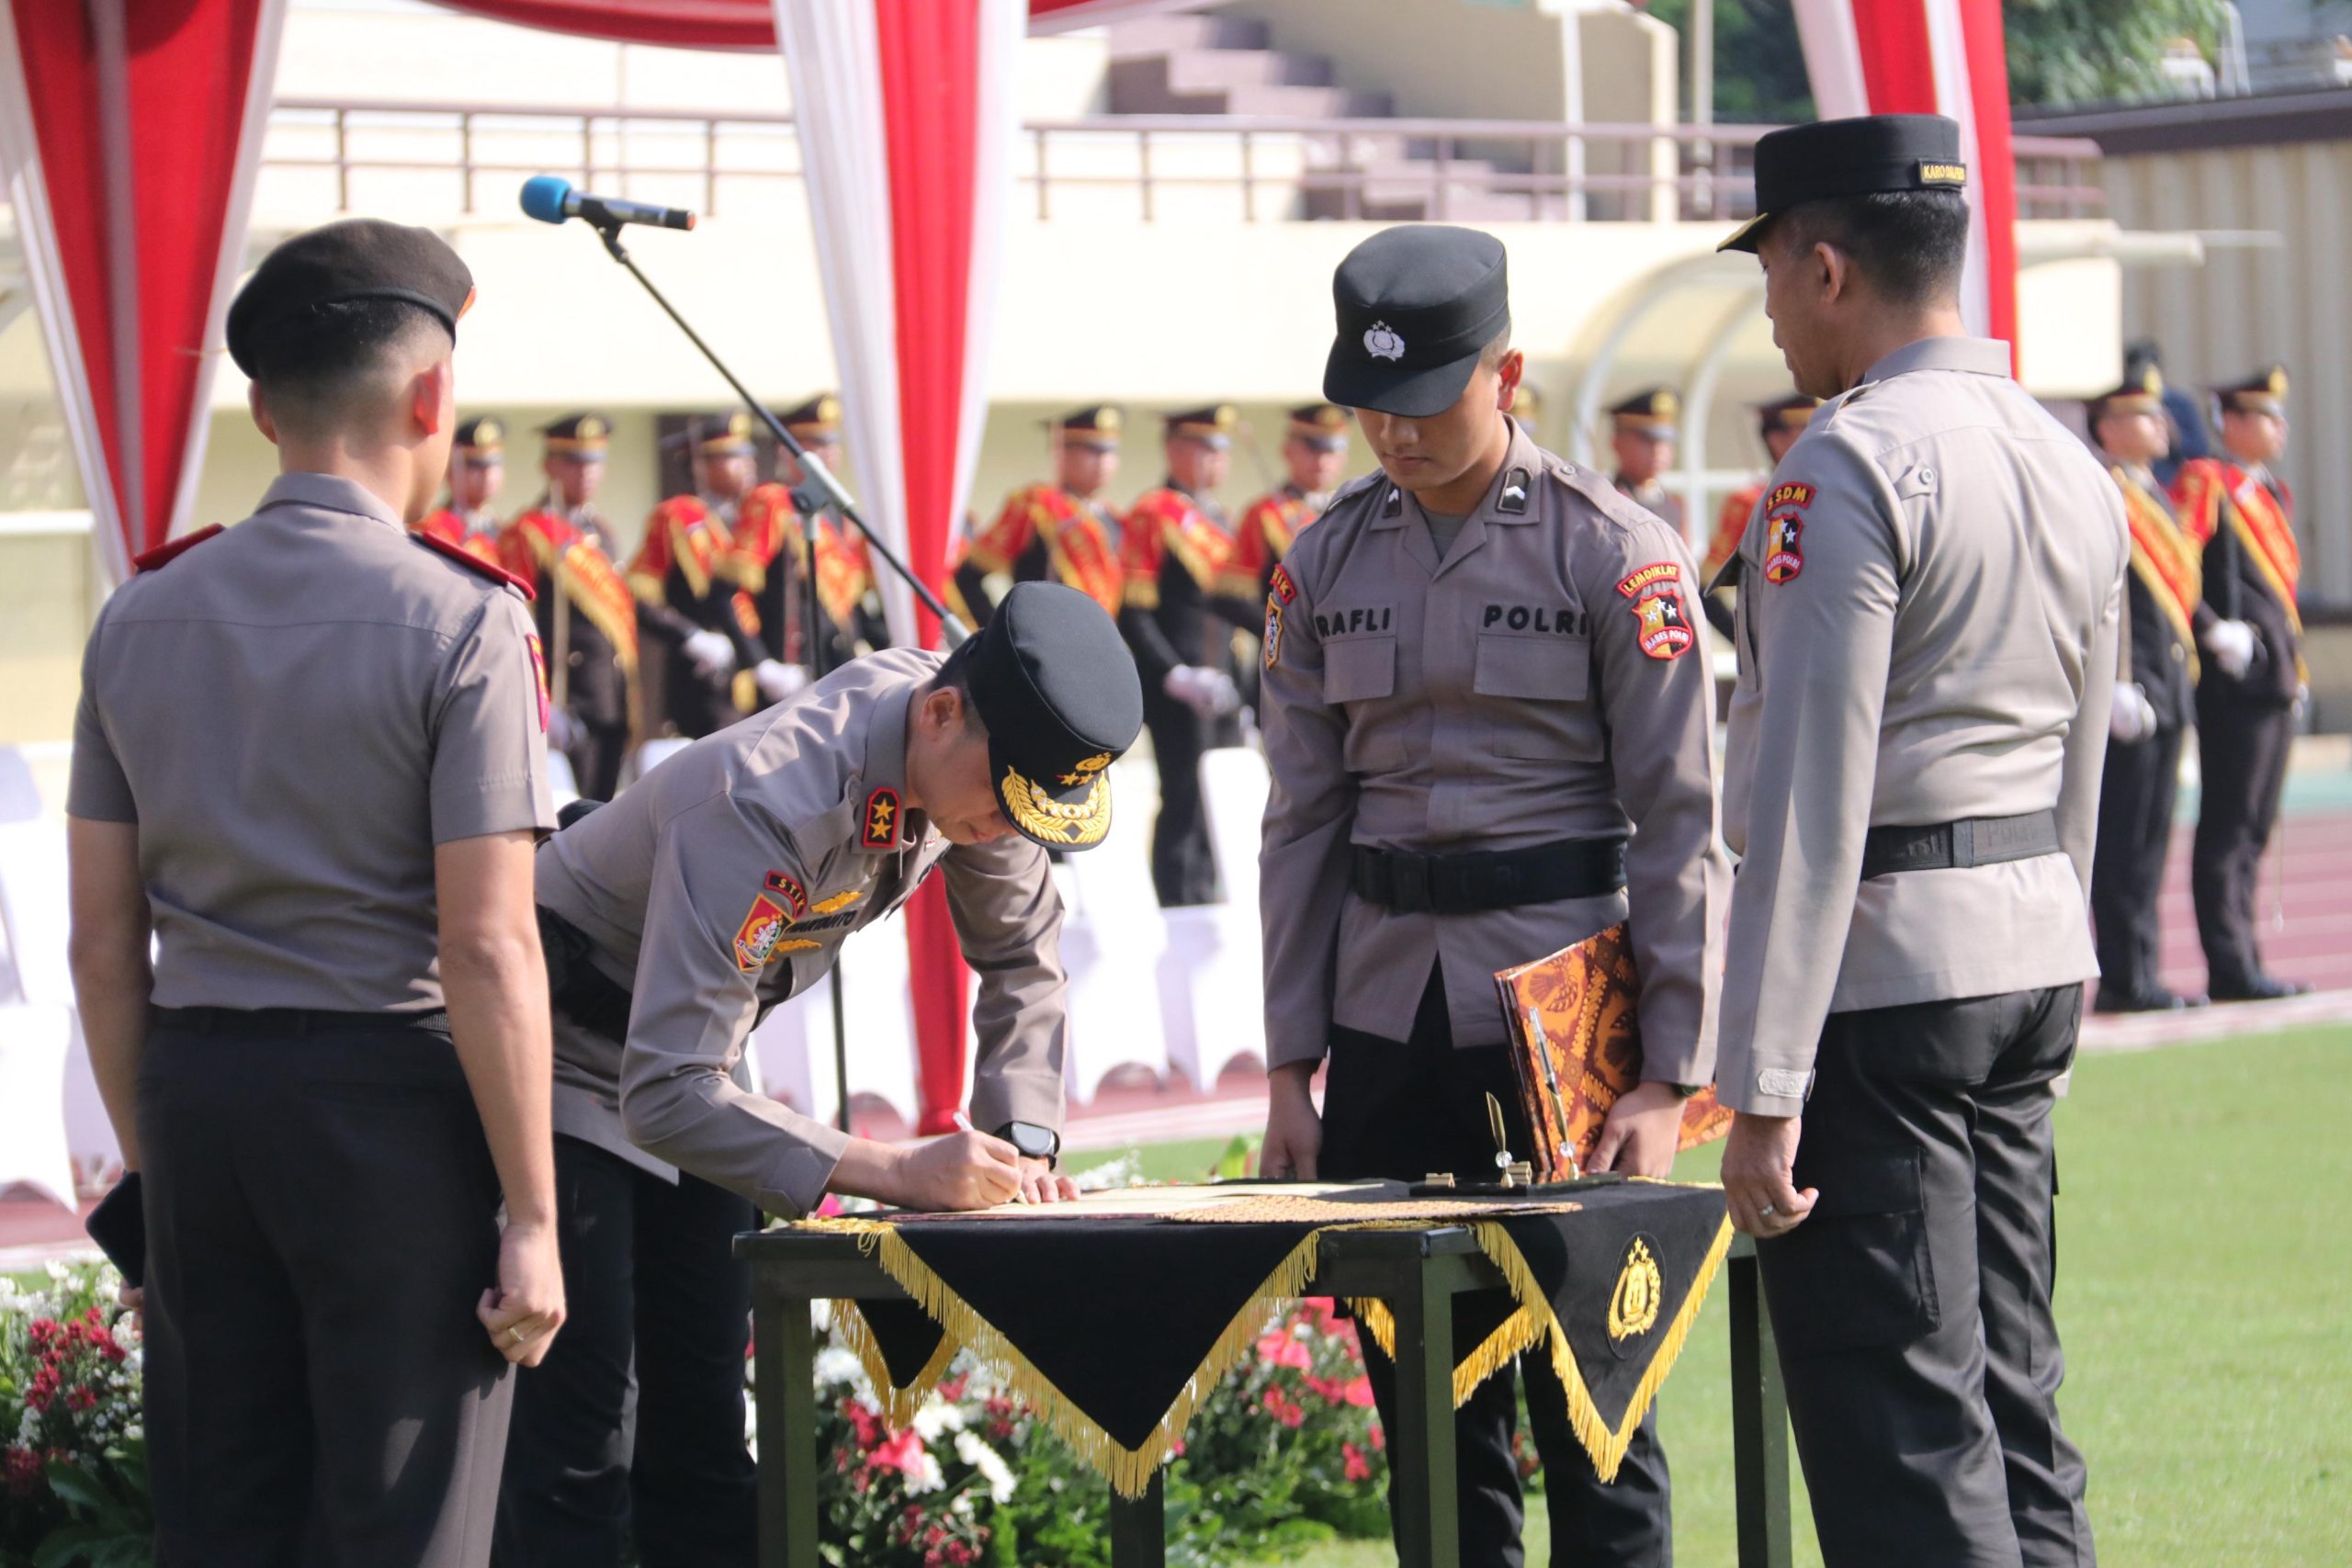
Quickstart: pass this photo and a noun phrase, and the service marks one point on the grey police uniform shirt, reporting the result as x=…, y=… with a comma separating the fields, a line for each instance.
x=1927, y=632
x=1494, y=700
x=727, y=879
x=294, y=713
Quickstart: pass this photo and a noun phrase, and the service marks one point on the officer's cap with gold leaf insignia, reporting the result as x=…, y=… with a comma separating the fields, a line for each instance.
x=482, y=442
x=2265, y=391
x=2141, y=391
x=1055, y=688
x=1212, y=426
x=1652, y=412
x=818, y=420
x=1095, y=426
x=1323, y=426
x=1861, y=156
x=1792, y=413
x=580, y=435
x=725, y=436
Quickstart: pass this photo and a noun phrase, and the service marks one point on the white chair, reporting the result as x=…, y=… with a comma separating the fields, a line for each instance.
x=1113, y=942
x=653, y=753
x=19, y=795
x=50, y=1115
x=1214, y=995
x=33, y=1044
x=796, y=1042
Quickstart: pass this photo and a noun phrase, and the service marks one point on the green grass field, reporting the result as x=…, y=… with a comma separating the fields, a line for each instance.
x=2205, y=1297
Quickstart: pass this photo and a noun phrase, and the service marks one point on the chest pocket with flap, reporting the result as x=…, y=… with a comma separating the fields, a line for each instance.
x=1541, y=689
x=1359, y=673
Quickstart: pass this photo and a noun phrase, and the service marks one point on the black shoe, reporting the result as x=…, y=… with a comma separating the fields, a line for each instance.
x=2155, y=1000
x=2261, y=989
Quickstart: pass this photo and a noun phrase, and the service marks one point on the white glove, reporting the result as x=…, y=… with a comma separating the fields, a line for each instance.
x=1195, y=686
x=2133, y=717
x=560, y=730
x=711, y=653
x=1224, y=697
x=2231, y=645
x=777, y=680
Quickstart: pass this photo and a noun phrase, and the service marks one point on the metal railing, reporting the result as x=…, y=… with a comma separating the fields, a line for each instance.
x=1277, y=168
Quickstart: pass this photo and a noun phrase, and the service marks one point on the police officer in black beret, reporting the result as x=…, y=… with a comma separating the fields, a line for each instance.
x=715, y=887
x=308, y=765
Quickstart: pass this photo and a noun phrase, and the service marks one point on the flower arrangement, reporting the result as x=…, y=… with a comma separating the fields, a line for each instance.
x=72, y=1453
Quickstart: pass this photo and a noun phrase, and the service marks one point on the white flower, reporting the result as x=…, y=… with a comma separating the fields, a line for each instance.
x=937, y=1416
x=835, y=1365
x=134, y=1430
x=926, y=1478
x=989, y=1462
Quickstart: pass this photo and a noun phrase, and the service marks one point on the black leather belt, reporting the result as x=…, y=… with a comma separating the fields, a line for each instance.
x=293, y=1020
x=1947, y=846
x=1467, y=883
x=585, y=994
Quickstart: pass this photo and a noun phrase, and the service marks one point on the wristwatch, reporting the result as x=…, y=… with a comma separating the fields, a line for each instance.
x=1686, y=1090
x=1033, y=1141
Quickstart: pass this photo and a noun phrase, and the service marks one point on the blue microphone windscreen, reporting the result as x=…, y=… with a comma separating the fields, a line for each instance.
x=544, y=195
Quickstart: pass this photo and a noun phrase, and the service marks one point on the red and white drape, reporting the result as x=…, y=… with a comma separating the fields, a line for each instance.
x=1933, y=57
x=131, y=185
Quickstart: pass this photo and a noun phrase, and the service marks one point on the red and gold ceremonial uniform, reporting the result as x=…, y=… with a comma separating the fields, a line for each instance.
x=1045, y=533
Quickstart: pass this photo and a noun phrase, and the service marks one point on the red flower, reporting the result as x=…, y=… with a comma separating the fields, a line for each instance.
x=1379, y=1438
x=42, y=1332
x=903, y=1451
x=80, y=1398
x=1358, y=1468
x=1278, y=1348
x=24, y=1472
x=952, y=1390
x=1282, y=1408
x=1358, y=1392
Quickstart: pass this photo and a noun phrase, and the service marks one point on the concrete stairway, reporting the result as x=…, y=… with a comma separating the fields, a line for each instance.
x=1222, y=65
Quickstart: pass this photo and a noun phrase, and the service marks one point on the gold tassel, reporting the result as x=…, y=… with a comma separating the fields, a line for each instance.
x=1608, y=1448
x=897, y=1405
x=1129, y=1470
x=1374, y=1318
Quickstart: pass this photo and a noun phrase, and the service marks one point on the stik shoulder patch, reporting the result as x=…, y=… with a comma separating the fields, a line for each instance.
x=1284, y=589
x=784, y=887
x=879, y=826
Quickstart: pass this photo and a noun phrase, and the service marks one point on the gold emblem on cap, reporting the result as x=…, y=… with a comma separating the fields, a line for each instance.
x=1107, y=421
x=1633, y=1305
x=829, y=409
x=591, y=429
x=1666, y=405
x=1078, y=823
x=1092, y=766
x=488, y=432
x=2278, y=380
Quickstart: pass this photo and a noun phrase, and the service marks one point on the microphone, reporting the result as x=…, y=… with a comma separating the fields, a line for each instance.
x=551, y=199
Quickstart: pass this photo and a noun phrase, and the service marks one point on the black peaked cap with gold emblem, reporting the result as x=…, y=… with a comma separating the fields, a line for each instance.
x=359, y=258
x=1057, y=691
x=818, y=419
x=2141, y=391
x=726, y=436
x=482, y=441
x=1323, y=426
x=2265, y=391
x=1652, y=412
x=1212, y=425
x=1415, y=305
x=1791, y=412
x=582, y=436
x=1095, y=426
x=1850, y=157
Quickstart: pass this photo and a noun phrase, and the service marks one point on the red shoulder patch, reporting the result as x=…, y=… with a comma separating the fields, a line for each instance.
x=796, y=898
x=473, y=562
x=1284, y=588
x=163, y=554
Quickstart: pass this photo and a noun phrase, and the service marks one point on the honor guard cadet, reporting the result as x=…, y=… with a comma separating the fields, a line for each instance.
x=1927, y=634
x=587, y=616
x=1487, y=743
x=1182, y=603
x=2155, y=701
x=721, y=883
x=1527, y=410
x=685, y=585
x=1315, y=451
x=1641, y=432
x=1062, y=532
x=771, y=557
x=1780, y=422
x=477, y=469
x=2252, y=678
x=308, y=769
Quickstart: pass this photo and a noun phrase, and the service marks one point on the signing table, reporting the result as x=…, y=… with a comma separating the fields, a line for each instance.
x=1606, y=1279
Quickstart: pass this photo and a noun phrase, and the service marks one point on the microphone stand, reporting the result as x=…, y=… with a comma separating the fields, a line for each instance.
x=952, y=630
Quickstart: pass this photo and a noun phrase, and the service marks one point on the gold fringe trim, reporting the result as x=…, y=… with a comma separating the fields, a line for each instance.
x=897, y=1405
x=1606, y=1447
x=1522, y=1330
x=1374, y=1318
x=1129, y=1470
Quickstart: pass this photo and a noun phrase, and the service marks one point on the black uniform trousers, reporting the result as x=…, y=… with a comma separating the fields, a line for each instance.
x=1183, y=864
x=2135, y=805
x=632, y=1429
x=2242, y=746
x=322, y=1221
x=1402, y=1110
x=596, y=754
x=1912, y=1306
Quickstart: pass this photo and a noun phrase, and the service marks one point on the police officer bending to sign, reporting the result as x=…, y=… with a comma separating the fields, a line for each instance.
x=1488, y=742
x=1926, y=633
x=717, y=885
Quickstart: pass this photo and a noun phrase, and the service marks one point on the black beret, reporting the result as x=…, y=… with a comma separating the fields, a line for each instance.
x=359, y=258
x=1850, y=157
x=1057, y=691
